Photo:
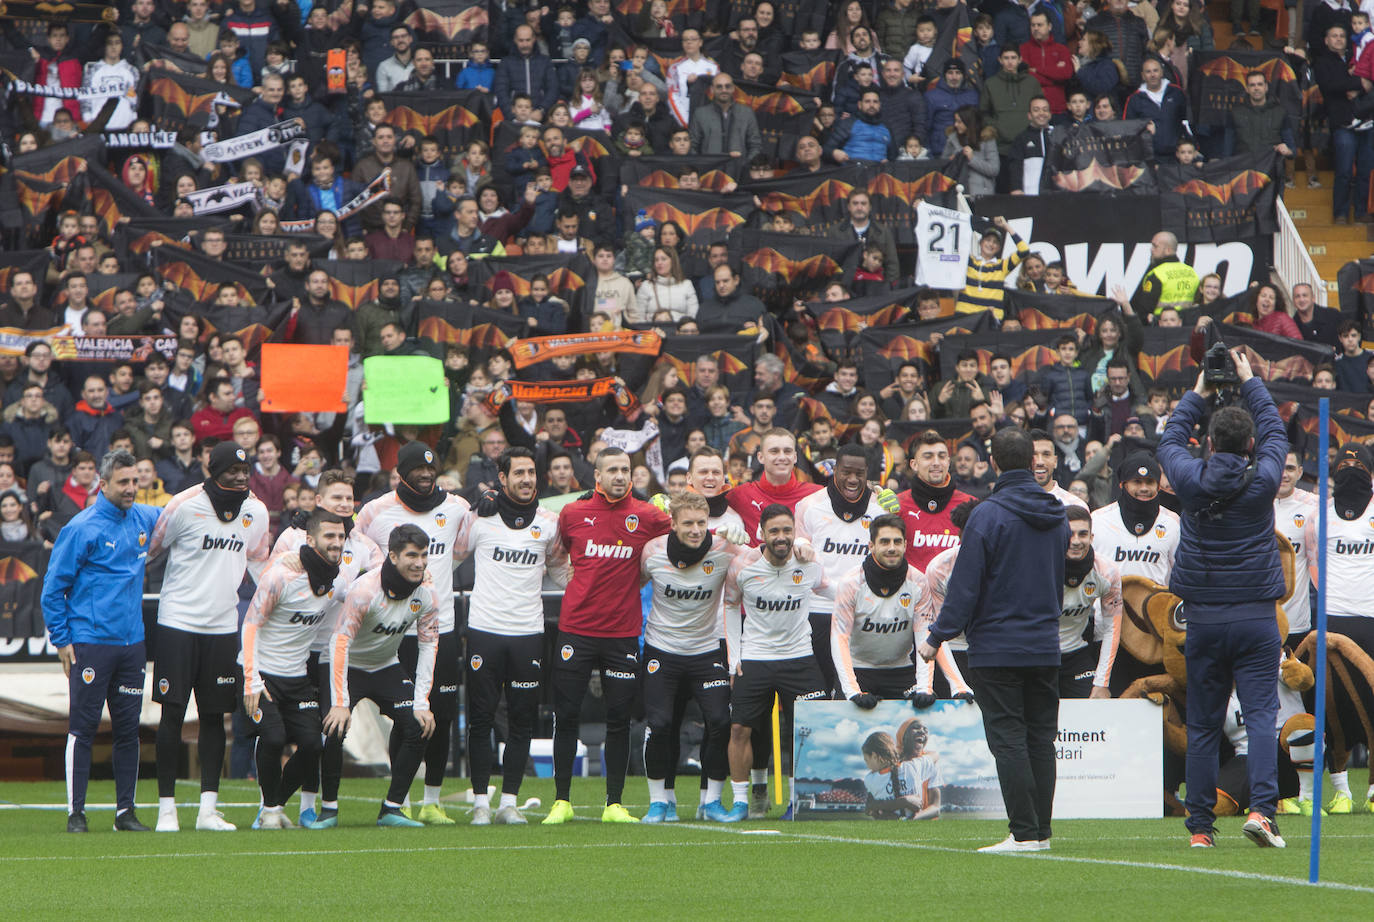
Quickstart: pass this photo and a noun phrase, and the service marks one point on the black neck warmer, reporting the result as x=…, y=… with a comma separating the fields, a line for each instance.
x=683, y=556
x=882, y=580
x=1351, y=493
x=394, y=584
x=320, y=571
x=717, y=504
x=846, y=510
x=1075, y=571
x=516, y=515
x=1137, y=515
x=226, y=502
x=418, y=502
x=929, y=498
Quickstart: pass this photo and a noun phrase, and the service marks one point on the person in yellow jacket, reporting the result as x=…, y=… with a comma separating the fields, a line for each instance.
x=1169, y=282
x=150, y=491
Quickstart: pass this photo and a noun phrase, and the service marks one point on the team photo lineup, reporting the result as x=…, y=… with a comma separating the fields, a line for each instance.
x=598, y=388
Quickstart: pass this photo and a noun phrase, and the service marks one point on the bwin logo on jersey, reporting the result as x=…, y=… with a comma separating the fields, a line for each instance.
x=475, y=662
x=566, y=652
x=852, y=548
x=88, y=675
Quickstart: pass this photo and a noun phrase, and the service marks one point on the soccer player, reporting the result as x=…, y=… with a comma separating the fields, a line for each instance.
x=926, y=507
x=512, y=551
x=1293, y=510
x=1135, y=532
x=210, y=533
x=953, y=655
x=780, y=482
x=1349, y=574
x=1044, y=461
x=835, y=520
x=419, y=501
x=882, y=607
x=1089, y=581
x=706, y=475
x=361, y=662
x=93, y=607
x=293, y=598
x=600, y=625
x=768, y=636
x=682, y=648
x=360, y=554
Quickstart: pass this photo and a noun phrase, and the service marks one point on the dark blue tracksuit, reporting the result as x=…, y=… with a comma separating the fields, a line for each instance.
x=93, y=600
x=1227, y=572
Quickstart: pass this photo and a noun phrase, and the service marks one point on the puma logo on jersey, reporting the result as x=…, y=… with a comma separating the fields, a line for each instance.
x=922, y=540
x=589, y=521
x=301, y=618
x=787, y=604
x=221, y=544
x=388, y=630
x=885, y=627
x=1143, y=556
x=517, y=556
x=1354, y=547
x=617, y=551
x=852, y=548
x=692, y=595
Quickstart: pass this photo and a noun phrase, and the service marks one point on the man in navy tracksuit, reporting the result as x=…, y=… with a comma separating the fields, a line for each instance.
x=1227, y=572
x=1004, y=594
x=93, y=606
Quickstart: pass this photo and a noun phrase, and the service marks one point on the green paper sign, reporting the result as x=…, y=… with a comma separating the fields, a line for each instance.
x=405, y=390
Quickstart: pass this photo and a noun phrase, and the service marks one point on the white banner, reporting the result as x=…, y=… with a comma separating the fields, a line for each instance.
x=222, y=198
x=269, y=138
x=1110, y=760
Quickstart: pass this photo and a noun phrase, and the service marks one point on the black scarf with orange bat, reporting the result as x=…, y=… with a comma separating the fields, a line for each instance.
x=1216, y=84
x=884, y=349
x=1038, y=311
x=1104, y=157
x=782, y=268
x=41, y=184
x=453, y=117
x=22, y=565
x=449, y=23
x=1231, y=198
x=179, y=98
x=840, y=324
x=734, y=355
x=479, y=329
x=705, y=217
x=1029, y=351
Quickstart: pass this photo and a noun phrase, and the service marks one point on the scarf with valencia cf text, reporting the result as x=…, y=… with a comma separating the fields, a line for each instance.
x=882, y=580
x=932, y=498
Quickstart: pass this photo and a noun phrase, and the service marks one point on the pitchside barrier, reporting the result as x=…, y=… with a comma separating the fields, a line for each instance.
x=1110, y=756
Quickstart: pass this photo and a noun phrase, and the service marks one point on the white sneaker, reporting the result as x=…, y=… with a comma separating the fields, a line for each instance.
x=273, y=819
x=214, y=821
x=509, y=816
x=167, y=820
x=481, y=816
x=1044, y=845
x=1010, y=846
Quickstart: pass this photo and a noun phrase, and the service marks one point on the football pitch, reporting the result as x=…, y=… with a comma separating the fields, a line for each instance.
x=1098, y=869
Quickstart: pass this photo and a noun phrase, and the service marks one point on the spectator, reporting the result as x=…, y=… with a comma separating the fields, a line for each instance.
x=1006, y=97
x=945, y=98
x=1162, y=104
x=725, y=126
x=1127, y=35
x=1047, y=59
x=1100, y=72
x=528, y=71
x=216, y=419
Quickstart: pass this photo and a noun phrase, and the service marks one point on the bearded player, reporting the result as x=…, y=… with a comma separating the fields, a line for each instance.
x=1089, y=582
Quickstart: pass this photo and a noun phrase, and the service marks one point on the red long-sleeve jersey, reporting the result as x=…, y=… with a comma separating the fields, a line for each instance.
x=928, y=531
x=603, y=541
x=750, y=499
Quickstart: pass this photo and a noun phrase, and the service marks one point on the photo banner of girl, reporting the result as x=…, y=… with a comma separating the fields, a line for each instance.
x=896, y=762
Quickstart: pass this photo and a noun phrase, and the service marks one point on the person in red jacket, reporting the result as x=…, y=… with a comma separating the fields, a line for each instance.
x=1048, y=61
x=216, y=419
x=57, y=65
x=600, y=624
x=780, y=482
x=926, y=507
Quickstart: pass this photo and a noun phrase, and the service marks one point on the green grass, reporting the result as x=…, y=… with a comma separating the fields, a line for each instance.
x=1107, y=871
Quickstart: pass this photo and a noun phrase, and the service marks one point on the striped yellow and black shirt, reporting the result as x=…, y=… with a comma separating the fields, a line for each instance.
x=983, y=288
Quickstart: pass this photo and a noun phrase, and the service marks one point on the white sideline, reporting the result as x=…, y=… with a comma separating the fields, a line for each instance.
x=1069, y=859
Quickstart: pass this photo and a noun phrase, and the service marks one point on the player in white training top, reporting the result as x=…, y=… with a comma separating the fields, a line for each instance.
x=513, y=548
x=1294, y=509
x=1135, y=532
x=1089, y=582
x=293, y=599
x=418, y=500
x=1043, y=464
x=210, y=533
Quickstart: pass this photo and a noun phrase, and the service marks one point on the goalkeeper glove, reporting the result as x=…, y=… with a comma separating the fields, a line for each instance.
x=888, y=500
x=486, y=504
x=734, y=534
x=921, y=699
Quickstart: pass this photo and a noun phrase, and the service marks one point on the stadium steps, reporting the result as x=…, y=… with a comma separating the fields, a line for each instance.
x=1330, y=245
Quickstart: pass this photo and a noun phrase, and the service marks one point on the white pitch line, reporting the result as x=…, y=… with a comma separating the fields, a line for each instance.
x=1069, y=859
x=294, y=853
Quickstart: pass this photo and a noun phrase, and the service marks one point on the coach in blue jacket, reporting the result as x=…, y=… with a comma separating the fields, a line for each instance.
x=1004, y=595
x=93, y=606
x=1228, y=574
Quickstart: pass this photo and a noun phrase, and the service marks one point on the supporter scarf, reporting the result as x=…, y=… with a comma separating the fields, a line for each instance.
x=395, y=585
x=562, y=392
x=376, y=190
x=222, y=198
x=226, y=502
x=684, y=556
x=319, y=571
x=846, y=510
x=880, y=579
x=542, y=348
x=419, y=502
x=1137, y=515
x=929, y=497
x=79, y=93
x=257, y=142
x=160, y=140
x=1351, y=494
x=718, y=504
x=516, y=515
x=1075, y=571
x=335, y=61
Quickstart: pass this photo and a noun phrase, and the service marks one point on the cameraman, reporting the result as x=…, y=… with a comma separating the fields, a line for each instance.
x=1227, y=572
